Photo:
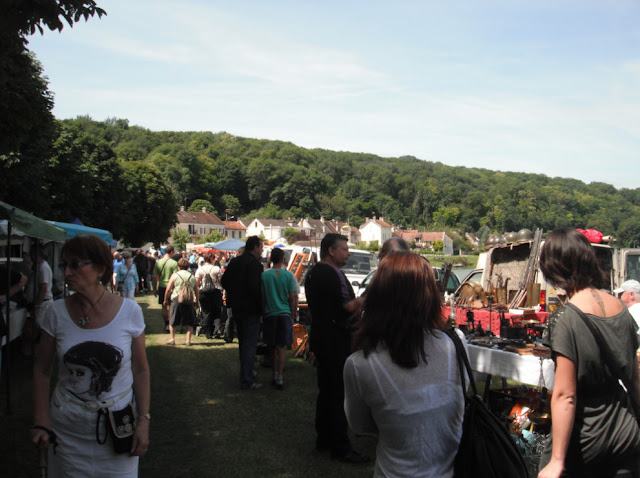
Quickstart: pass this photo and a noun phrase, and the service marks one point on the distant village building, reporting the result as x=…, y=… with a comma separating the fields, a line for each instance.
x=316, y=229
x=235, y=230
x=473, y=239
x=375, y=230
x=351, y=232
x=198, y=224
x=425, y=240
x=270, y=229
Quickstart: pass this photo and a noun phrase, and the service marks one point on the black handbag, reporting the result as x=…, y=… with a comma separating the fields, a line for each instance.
x=120, y=426
x=486, y=449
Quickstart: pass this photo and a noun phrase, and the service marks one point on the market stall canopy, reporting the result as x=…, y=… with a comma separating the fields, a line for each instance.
x=4, y=229
x=228, y=245
x=75, y=229
x=30, y=224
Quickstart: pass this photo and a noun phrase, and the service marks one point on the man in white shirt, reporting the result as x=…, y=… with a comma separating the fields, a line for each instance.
x=629, y=294
x=44, y=295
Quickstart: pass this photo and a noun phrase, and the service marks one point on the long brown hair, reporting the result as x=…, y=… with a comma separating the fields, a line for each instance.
x=402, y=304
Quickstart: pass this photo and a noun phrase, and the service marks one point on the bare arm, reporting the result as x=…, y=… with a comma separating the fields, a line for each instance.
x=293, y=303
x=563, y=409
x=354, y=307
x=142, y=392
x=167, y=294
x=44, y=288
x=45, y=352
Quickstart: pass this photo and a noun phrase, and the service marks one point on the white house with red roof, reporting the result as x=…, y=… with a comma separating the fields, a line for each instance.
x=375, y=230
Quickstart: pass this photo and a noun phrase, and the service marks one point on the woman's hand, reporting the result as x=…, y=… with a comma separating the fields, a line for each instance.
x=140, y=438
x=552, y=470
x=39, y=437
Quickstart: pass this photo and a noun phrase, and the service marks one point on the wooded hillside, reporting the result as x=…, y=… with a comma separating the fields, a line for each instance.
x=252, y=177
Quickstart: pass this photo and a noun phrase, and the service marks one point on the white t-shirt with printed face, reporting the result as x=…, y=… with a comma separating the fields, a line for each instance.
x=95, y=364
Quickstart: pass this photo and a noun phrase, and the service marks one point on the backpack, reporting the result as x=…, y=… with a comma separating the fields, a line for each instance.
x=207, y=283
x=185, y=294
x=486, y=449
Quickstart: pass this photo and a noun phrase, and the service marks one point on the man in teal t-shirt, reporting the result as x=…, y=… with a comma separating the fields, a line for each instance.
x=280, y=302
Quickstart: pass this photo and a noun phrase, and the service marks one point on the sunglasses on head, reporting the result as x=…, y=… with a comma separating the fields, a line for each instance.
x=74, y=265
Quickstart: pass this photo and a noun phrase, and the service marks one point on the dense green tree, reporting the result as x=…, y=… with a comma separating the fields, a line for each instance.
x=27, y=130
x=150, y=205
x=85, y=181
x=214, y=236
x=268, y=211
x=198, y=204
x=26, y=123
x=232, y=206
x=180, y=239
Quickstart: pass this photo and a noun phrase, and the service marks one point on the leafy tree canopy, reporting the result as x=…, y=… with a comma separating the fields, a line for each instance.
x=274, y=179
x=180, y=239
x=198, y=204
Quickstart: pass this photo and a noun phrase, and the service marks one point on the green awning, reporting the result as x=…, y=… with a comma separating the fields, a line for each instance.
x=30, y=224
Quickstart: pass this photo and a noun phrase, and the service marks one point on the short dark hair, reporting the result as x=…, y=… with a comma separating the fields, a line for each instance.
x=252, y=243
x=569, y=261
x=90, y=247
x=168, y=249
x=330, y=241
x=208, y=257
x=277, y=255
x=402, y=304
x=395, y=244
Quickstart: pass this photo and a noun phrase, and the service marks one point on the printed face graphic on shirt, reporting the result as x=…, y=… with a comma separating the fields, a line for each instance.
x=92, y=366
x=80, y=379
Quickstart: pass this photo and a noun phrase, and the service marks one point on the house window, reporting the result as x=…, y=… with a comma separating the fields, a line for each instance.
x=191, y=229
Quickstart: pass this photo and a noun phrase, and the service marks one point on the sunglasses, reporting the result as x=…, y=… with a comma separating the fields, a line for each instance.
x=74, y=265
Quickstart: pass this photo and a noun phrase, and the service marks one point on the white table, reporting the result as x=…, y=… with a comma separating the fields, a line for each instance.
x=521, y=368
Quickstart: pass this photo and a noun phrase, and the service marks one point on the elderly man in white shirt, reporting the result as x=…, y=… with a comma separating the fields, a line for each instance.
x=629, y=294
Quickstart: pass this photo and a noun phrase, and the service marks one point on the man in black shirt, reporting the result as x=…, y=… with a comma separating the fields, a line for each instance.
x=241, y=281
x=332, y=305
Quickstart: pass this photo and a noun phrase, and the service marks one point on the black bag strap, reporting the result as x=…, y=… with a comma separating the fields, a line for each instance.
x=604, y=352
x=463, y=361
x=102, y=413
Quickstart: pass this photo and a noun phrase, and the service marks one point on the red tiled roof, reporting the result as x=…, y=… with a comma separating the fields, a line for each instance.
x=205, y=218
x=235, y=225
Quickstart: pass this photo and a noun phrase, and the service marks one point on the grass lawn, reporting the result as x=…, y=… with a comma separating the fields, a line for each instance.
x=202, y=423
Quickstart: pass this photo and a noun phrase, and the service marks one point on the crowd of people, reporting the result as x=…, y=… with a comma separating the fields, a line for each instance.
x=383, y=361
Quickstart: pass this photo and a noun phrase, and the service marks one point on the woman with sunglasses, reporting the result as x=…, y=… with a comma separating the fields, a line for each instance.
x=103, y=326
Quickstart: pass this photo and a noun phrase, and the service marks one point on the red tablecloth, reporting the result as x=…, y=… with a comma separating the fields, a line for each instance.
x=482, y=317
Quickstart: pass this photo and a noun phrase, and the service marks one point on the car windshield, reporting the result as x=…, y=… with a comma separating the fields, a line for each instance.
x=360, y=263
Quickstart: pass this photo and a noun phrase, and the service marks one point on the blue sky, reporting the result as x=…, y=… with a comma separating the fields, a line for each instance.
x=545, y=86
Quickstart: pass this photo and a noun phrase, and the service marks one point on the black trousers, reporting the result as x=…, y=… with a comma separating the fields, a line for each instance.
x=331, y=421
x=211, y=304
